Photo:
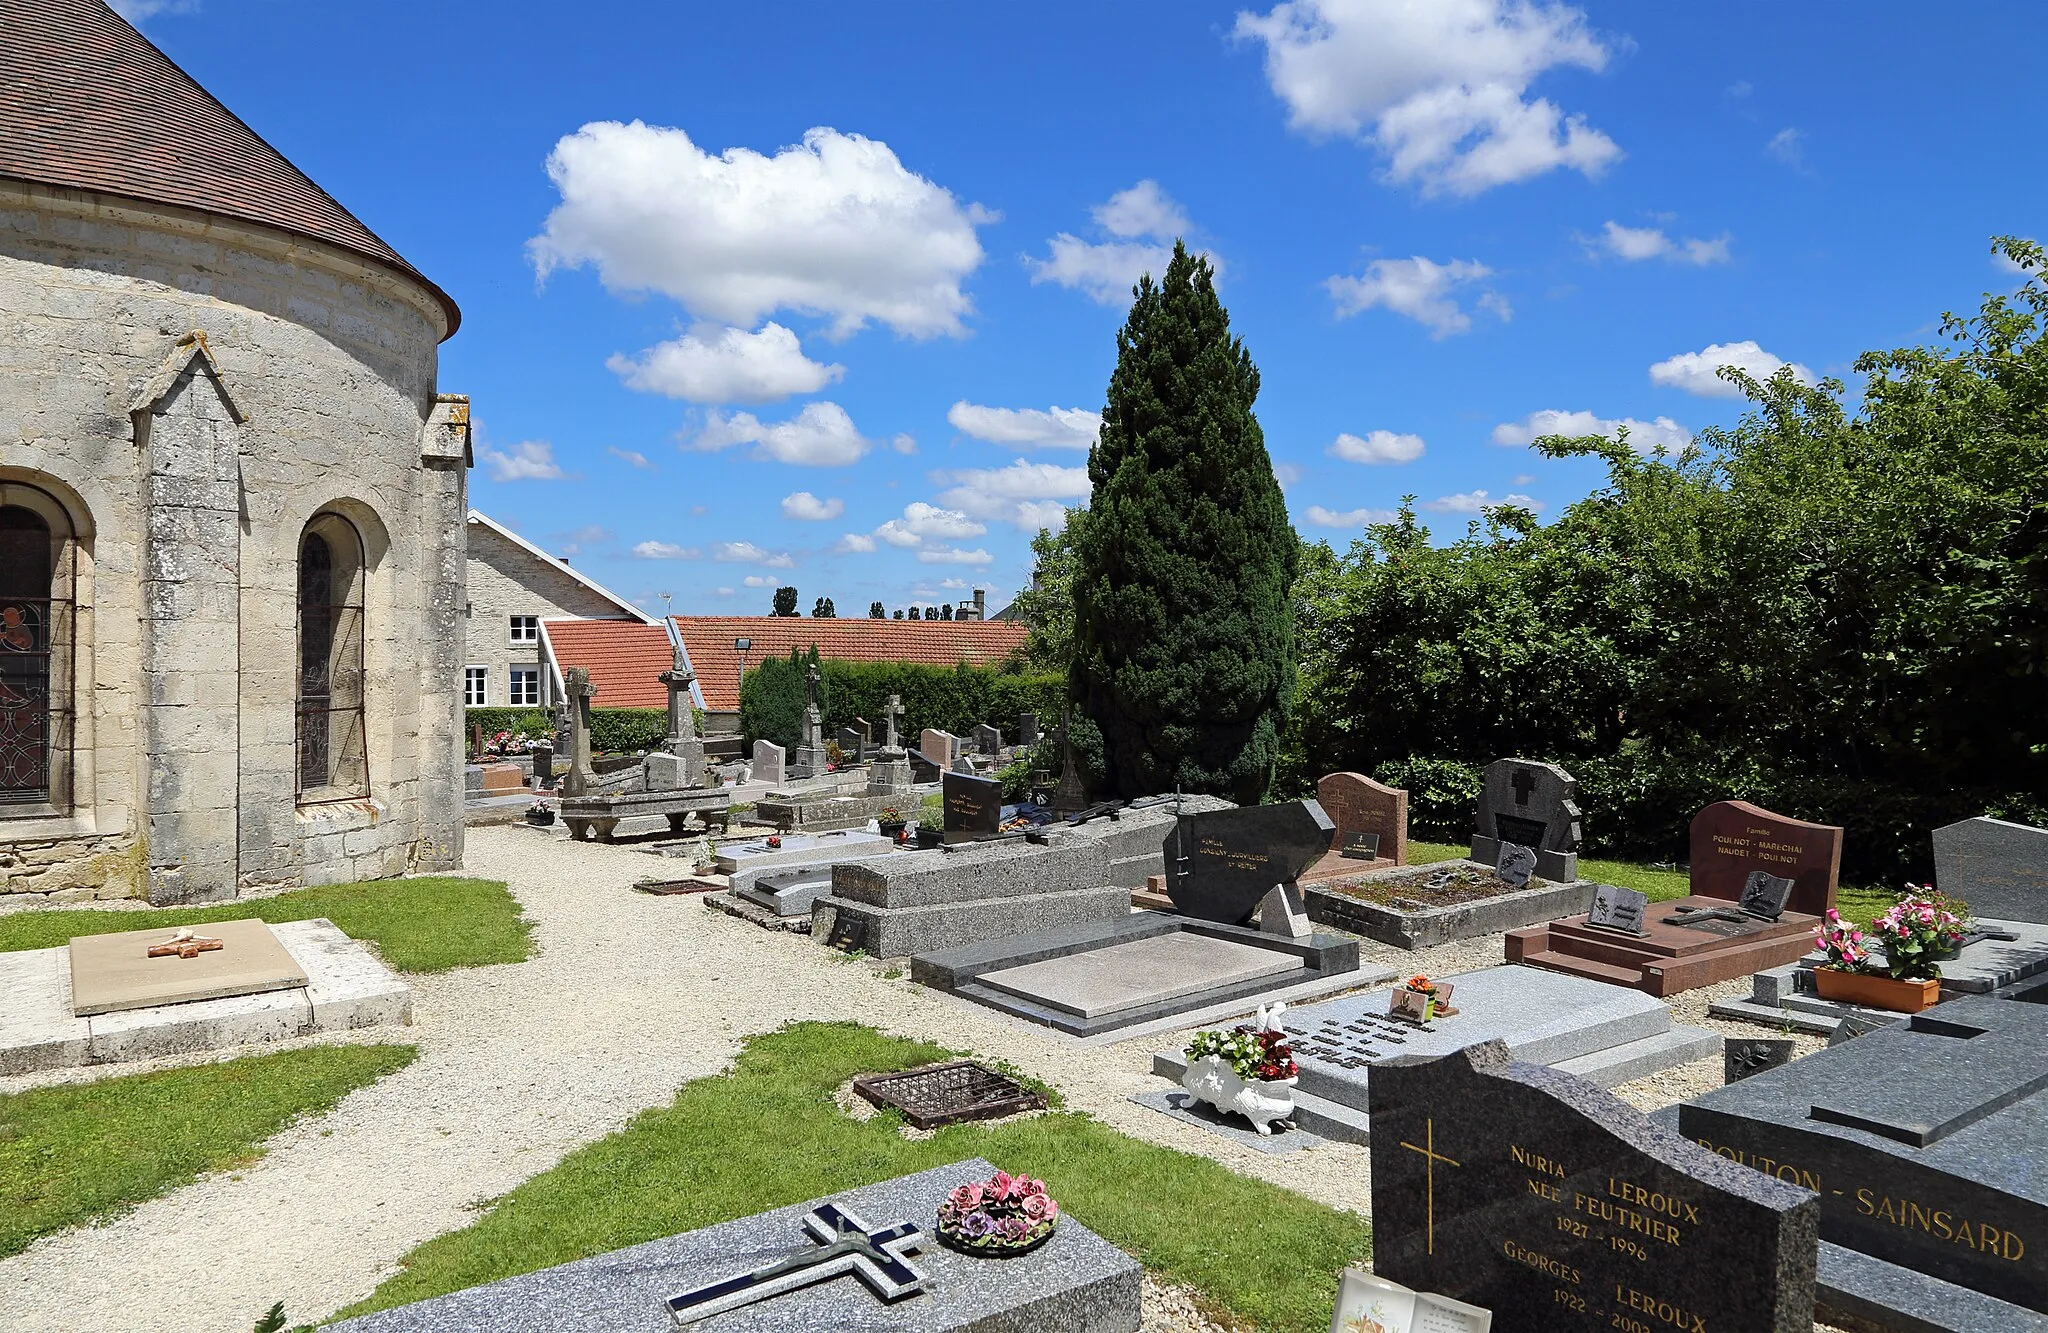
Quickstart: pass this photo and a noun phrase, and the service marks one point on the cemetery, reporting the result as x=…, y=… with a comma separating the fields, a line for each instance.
x=1631, y=914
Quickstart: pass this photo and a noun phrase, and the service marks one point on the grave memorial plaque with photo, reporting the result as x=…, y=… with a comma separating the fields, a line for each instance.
x=1532, y=1193
x=974, y=806
x=1733, y=839
x=1220, y=863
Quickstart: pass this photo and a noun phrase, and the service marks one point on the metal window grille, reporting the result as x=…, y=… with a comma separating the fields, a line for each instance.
x=36, y=631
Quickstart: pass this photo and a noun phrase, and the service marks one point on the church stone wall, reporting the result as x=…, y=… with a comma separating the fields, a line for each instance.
x=313, y=389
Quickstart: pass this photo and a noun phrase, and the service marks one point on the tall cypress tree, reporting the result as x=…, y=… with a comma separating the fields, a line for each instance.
x=1184, y=652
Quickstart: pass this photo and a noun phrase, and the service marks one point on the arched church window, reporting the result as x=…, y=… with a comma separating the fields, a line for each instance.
x=36, y=626
x=333, y=760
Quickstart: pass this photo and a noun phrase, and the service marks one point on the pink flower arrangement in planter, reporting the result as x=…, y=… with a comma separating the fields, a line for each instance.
x=1002, y=1216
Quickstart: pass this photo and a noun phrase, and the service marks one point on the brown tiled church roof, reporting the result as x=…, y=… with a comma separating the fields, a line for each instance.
x=88, y=103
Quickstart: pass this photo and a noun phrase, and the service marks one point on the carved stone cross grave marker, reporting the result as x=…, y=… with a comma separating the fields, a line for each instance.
x=874, y=1255
x=581, y=692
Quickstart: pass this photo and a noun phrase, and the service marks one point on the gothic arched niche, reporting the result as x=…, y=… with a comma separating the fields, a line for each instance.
x=333, y=762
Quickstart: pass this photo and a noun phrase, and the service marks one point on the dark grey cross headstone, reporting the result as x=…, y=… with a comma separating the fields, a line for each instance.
x=1524, y=782
x=892, y=713
x=1219, y=863
x=874, y=1255
x=1530, y=1192
x=1516, y=864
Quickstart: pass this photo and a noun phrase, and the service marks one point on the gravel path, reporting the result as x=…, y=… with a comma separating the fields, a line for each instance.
x=627, y=997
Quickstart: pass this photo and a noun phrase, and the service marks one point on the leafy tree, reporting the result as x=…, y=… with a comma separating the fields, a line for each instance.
x=875, y=611
x=899, y=613
x=785, y=602
x=1184, y=649
x=1047, y=606
x=823, y=609
x=946, y=611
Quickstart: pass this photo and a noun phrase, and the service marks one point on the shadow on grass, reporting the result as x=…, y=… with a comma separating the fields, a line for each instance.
x=419, y=925
x=768, y=1134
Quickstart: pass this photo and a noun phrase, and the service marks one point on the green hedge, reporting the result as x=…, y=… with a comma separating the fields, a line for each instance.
x=950, y=698
x=617, y=730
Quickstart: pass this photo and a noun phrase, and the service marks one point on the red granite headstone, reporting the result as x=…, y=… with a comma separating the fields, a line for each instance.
x=1732, y=838
x=1357, y=804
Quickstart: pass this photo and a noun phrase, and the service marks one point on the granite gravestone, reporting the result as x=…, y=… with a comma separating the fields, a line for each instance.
x=1616, y=908
x=1220, y=863
x=768, y=762
x=1366, y=813
x=974, y=806
x=1535, y=1194
x=1925, y=1140
x=1999, y=869
x=939, y=748
x=987, y=740
x=1733, y=839
x=1027, y=729
x=1515, y=864
x=1533, y=804
x=852, y=743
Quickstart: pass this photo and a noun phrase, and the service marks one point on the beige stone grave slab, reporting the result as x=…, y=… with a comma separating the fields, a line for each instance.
x=1140, y=972
x=110, y=973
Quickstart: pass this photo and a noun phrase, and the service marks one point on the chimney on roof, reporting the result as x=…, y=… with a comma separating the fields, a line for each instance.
x=981, y=604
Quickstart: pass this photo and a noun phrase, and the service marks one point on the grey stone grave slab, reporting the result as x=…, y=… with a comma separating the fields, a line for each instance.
x=1534, y=804
x=1220, y=863
x=973, y=806
x=1075, y=1281
x=1137, y=973
x=1078, y=982
x=1599, y=1032
x=738, y=857
x=1516, y=864
x=1999, y=869
x=1785, y=995
x=1187, y=1108
x=788, y=893
x=769, y=765
x=1927, y=1141
x=1534, y=1194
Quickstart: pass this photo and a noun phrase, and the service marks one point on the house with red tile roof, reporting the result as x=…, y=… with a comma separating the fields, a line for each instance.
x=624, y=659
x=513, y=588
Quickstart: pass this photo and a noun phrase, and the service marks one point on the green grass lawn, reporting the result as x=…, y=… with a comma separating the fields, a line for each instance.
x=85, y=1152
x=1858, y=905
x=768, y=1134
x=419, y=925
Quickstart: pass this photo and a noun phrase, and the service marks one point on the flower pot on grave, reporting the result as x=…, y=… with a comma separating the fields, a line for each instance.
x=892, y=829
x=1874, y=991
x=930, y=837
x=540, y=815
x=1210, y=1078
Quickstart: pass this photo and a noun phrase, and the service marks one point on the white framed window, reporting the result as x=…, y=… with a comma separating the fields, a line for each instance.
x=525, y=687
x=526, y=629
x=475, y=686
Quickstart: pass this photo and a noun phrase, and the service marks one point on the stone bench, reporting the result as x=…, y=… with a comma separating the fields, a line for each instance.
x=601, y=814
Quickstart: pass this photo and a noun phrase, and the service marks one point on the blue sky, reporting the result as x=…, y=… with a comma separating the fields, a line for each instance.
x=756, y=294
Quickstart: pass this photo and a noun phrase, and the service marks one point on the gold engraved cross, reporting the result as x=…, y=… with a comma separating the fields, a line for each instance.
x=1430, y=1153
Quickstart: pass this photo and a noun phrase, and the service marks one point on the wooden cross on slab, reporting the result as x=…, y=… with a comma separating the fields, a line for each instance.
x=184, y=944
x=849, y=1245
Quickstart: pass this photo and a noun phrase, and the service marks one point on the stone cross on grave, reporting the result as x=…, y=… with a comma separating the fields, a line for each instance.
x=682, y=716
x=581, y=776
x=814, y=720
x=891, y=713
x=1523, y=782
x=874, y=1255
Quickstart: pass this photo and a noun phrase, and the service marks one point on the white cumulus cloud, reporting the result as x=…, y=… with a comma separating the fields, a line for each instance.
x=1346, y=518
x=954, y=555
x=1028, y=495
x=923, y=524
x=759, y=581
x=528, y=460
x=1054, y=428
x=804, y=505
x=1380, y=446
x=1638, y=243
x=1694, y=371
x=854, y=543
x=710, y=364
x=1419, y=288
x=1645, y=437
x=1478, y=502
x=665, y=551
x=821, y=435
x=1440, y=87
x=746, y=553
x=1141, y=222
x=1789, y=147
x=835, y=227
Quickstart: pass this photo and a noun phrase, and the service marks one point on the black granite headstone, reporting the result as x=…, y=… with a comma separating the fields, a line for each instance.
x=1027, y=729
x=987, y=740
x=1551, y=1202
x=1927, y=1141
x=974, y=806
x=1616, y=908
x=1219, y=863
x=850, y=742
